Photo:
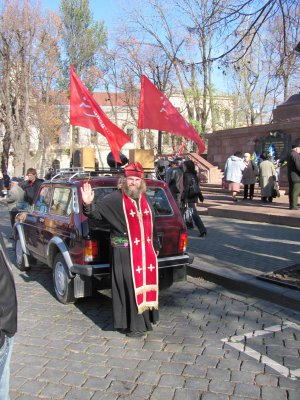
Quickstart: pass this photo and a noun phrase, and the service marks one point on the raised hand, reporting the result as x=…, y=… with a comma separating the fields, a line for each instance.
x=87, y=193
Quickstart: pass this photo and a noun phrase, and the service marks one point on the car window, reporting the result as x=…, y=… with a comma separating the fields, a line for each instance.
x=102, y=192
x=157, y=196
x=159, y=201
x=42, y=203
x=61, y=202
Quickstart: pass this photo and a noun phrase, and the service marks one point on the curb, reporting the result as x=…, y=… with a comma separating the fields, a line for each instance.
x=247, y=284
x=249, y=215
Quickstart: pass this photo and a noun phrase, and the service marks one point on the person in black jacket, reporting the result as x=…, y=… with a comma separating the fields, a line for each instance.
x=8, y=319
x=293, y=165
x=189, y=196
x=175, y=180
x=31, y=185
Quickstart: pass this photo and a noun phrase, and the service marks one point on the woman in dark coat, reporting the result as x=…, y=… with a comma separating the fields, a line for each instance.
x=190, y=176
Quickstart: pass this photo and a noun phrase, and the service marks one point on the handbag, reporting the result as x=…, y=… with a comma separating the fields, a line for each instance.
x=188, y=217
x=275, y=191
x=224, y=183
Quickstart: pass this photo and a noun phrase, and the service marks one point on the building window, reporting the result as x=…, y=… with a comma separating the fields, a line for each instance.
x=94, y=137
x=76, y=135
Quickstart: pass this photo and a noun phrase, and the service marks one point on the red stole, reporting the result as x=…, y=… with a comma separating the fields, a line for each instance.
x=142, y=255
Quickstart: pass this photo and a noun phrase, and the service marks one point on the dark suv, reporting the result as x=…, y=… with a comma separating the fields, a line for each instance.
x=56, y=232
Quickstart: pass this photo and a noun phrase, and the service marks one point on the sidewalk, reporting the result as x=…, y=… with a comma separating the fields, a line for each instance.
x=246, y=240
x=218, y=203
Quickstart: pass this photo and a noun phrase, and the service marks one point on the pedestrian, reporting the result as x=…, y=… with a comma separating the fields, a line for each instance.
x=267, y=178
x=31, y=185
x=1, y=185
x=6, y=180
x=189, y=197
x=233, y=173
x=249, y=176
x=160, y=167
x=135, y=247
x=169, y=170
x=15, y=195
x=175, y=180
x=293, y=165
x=8, y=319
x=50, y=173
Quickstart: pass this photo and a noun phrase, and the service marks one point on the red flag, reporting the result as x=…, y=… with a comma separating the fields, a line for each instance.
x=86, y=112
x=156, y=112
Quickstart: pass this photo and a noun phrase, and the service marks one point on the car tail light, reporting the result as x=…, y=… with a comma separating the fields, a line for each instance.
x=182, y=242
x=90, y=250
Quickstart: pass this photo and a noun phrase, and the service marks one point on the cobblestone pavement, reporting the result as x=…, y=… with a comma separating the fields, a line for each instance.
x=209, y=344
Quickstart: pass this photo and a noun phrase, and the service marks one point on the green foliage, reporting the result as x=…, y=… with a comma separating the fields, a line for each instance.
x=83, y=41
x=196, y=125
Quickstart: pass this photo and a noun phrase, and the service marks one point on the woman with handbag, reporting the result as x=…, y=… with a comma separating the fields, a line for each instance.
x=191, y=193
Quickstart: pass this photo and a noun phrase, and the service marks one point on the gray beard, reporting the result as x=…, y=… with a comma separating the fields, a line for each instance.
x=133, y=193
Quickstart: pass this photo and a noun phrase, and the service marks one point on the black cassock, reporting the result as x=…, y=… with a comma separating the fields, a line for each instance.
x=125, y=315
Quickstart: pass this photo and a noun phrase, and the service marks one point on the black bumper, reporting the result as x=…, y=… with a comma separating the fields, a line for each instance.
x=104, y=269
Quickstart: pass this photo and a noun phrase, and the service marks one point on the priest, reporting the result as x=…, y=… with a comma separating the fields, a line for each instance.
x=135, y=248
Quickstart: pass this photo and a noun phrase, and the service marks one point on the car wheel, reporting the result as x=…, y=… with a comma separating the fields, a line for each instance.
x=63, y=285
x=22, y=261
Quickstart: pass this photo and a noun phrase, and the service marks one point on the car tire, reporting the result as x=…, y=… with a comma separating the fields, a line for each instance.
x=165, y=278
x=63, y=285
x=22, y=260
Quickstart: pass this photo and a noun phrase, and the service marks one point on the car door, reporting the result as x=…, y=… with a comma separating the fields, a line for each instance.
x=35, y=222
x=57, y=222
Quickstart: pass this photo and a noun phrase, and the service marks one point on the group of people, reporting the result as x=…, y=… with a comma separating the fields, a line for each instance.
x=242, y=169
x=21, y=192
x=180, y=175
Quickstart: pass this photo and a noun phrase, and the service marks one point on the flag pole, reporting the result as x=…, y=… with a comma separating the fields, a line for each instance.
x=159, y=142
x=71, y=146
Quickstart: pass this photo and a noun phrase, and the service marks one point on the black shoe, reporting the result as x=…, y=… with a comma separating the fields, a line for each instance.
x=203, y=234
x=122, y=330
x=135, y=334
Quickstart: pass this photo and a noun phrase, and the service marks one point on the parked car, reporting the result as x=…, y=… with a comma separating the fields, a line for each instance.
x=55, y=231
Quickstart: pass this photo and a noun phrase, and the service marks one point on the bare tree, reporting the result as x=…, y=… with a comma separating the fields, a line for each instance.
x=125, y=64
x=46, y=108
x=263, y=77
x=18, y=34
x=253, y=16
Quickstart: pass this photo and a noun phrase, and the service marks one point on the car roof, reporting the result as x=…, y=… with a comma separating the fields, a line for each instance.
x=105, y=177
